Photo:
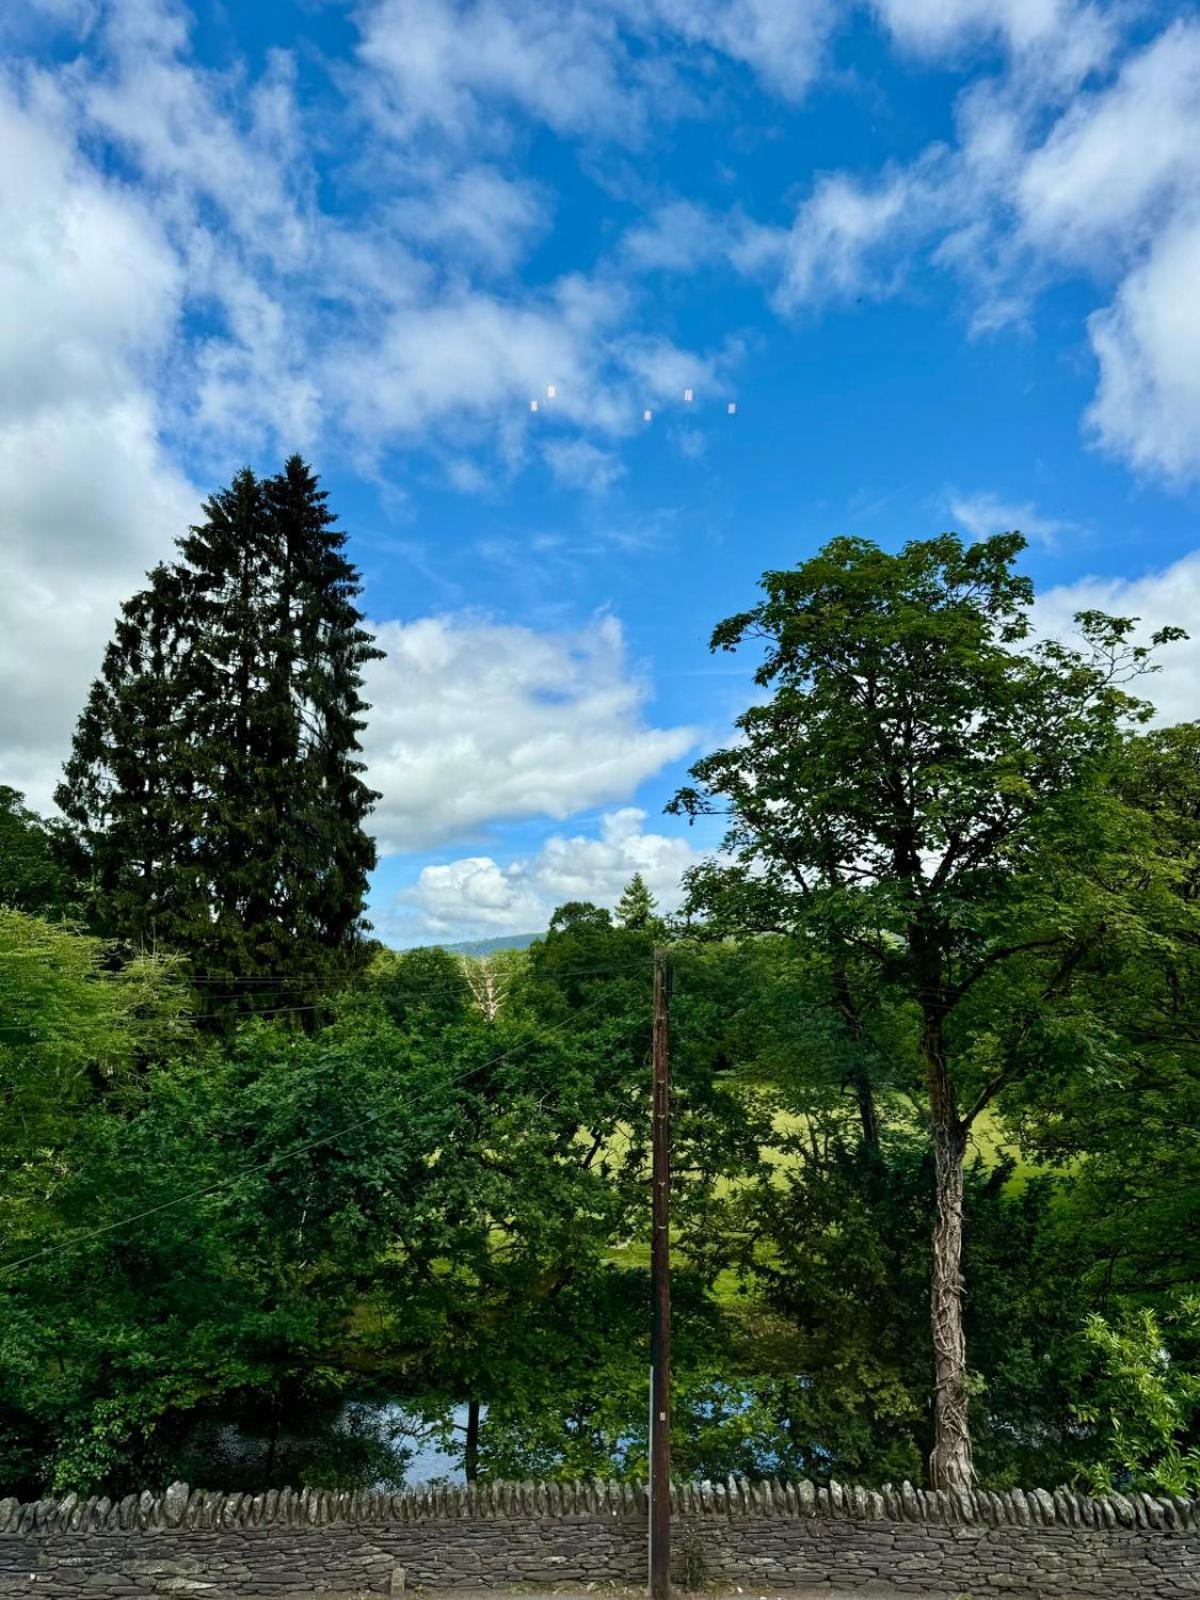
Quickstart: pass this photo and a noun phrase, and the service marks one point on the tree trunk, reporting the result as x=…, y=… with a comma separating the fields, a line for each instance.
x=272, y=1441
x=868, y=1120
x=471, y=1452
x=859, y=1080
x=950, y=1460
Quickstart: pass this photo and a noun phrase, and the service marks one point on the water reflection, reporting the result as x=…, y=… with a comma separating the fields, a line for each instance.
x=429, y=1459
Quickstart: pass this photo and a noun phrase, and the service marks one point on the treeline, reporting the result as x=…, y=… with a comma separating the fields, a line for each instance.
x=936, y=1065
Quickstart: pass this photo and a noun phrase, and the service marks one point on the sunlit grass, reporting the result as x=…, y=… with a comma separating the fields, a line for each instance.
x=988, y=1145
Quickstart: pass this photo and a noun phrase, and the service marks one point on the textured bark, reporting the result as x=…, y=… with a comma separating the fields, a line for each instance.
x=950, y=1465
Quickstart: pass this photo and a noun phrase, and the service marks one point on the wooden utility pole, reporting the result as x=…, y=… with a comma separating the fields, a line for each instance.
x=660, y=1278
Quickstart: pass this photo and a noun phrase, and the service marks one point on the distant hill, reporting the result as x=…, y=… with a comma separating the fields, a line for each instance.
x=488, y=947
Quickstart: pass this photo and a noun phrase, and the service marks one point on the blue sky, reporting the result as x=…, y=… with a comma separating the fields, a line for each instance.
x=942, y=255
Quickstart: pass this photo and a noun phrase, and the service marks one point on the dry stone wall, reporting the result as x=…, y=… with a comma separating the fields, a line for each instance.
x=285, y=1543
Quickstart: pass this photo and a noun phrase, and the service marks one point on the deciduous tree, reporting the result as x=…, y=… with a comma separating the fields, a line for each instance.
x=896, y=799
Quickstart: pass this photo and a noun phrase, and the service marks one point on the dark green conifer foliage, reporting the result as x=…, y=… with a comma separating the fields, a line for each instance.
x=637, y=908
x=215, y=779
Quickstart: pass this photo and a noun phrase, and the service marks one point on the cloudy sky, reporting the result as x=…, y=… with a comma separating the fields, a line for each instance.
x=942, y=255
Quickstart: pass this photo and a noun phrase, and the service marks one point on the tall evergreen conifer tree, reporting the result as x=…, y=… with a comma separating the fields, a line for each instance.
x=215, y=779
x=637, y=908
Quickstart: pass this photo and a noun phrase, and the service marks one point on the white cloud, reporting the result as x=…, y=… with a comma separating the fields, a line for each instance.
x=783, y=41
x=1147, y=405
x=224, y=160
x=475, y=214
x=200, y=137
x=474, y=355
x=203, y=294
x=256, y=384
x=983, y=514
x=314, y=329
x=95, y=503
x=478, y=895
x=1167, y=598
x=1046, y=179
x=582, y=69
x=88, y=498
x=97, y=284
x=1120, y=161
x=369, y=330
x=847, y=237
x=829, y=250
x=443, y=63
x=28, y=21
x=1117, y=183
x=474, y=723
x=661, y=370
x=472, y=362
x=1080, y=32
x=579, y=464
x=680, y=237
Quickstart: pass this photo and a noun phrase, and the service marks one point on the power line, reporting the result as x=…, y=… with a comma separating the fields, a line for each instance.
x=361, y=985
x=355, y=980
x=274, y=1161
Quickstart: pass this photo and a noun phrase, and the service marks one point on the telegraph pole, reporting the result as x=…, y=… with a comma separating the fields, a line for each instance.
x=660, y=1278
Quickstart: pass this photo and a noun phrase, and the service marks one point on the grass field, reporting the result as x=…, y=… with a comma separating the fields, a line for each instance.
x=988, y=1145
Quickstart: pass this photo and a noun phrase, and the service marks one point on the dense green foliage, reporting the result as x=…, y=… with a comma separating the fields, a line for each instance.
x=923, y=800
x=214, y=781
x=276, y=1251
x=33, y=860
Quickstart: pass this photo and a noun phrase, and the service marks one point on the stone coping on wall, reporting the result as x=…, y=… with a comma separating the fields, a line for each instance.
x=180, y=1507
